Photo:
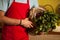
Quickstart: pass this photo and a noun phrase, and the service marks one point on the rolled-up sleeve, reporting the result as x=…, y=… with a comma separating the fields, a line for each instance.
x=3, y=5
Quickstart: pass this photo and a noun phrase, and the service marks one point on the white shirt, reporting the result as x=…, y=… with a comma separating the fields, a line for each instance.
x=4, y=6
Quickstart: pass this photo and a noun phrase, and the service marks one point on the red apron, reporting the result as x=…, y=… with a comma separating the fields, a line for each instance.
x=17, y=11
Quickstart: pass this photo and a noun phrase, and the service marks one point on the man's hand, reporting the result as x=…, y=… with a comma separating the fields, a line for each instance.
x=26, y=23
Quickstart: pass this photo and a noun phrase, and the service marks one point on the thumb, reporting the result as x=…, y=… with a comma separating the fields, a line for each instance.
x=27, y=19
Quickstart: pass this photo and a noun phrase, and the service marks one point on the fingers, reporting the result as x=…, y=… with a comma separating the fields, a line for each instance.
x=30, y=25
x=26, y=23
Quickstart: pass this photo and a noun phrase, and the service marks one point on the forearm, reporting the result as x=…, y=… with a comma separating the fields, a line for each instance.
x=8, y=21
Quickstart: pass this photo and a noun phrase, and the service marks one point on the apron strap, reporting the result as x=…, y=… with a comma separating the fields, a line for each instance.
x=13, y=0
x=27, y=1
x=8, y=3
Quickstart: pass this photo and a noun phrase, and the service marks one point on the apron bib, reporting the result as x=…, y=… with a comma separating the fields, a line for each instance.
x=16, y=11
